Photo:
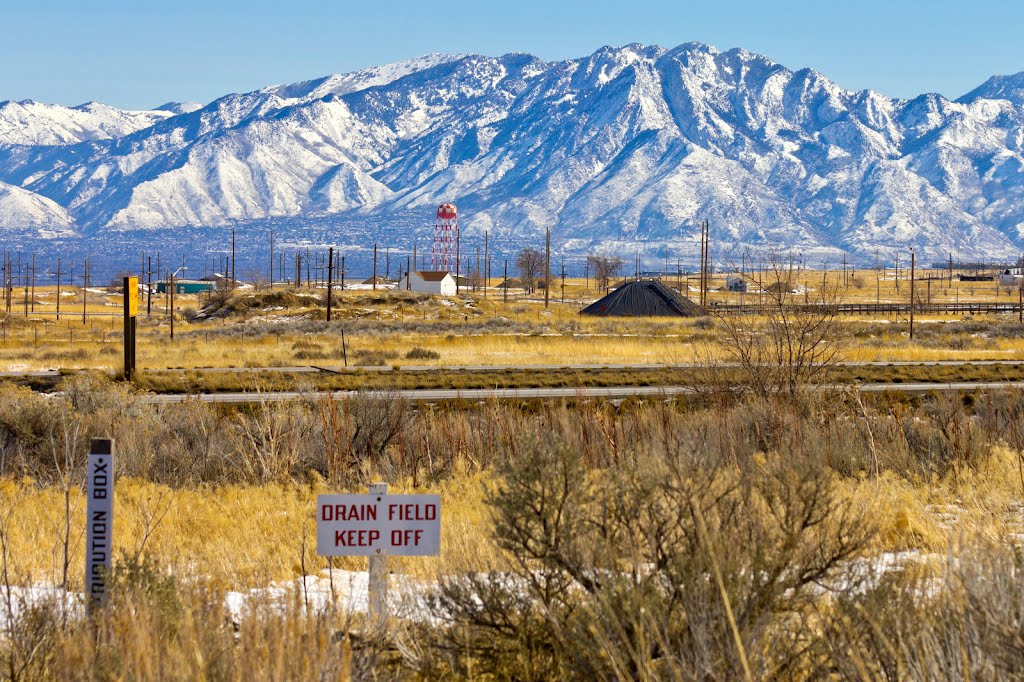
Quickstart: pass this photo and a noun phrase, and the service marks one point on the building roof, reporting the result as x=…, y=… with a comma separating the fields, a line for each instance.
x=645, y=298
x=431, y=275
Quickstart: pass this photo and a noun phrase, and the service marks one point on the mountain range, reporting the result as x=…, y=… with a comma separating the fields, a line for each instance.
x=627, y=146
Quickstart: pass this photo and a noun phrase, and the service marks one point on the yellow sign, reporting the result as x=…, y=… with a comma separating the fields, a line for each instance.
x=131, y=296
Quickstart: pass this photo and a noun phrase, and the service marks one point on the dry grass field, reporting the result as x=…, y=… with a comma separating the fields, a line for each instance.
x=889, y=525
x=286, y=328
x=761, y=528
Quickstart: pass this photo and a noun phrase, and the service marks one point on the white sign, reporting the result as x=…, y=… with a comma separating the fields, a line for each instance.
x=378, y=525
x=99, y=515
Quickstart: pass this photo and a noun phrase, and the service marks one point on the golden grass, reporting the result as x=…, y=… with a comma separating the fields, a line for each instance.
x=236, y=536
x=248, y=536
x=557, y=335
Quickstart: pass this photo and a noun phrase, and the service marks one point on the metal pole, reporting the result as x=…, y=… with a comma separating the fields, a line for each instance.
x=378, y=578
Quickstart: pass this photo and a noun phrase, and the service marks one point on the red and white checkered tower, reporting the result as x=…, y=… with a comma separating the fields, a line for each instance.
x=445, y=255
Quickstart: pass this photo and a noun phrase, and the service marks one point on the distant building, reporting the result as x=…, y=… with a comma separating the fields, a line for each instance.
x=737, y=284
x=1009, y=278
x=186, y=286
x=430, y=282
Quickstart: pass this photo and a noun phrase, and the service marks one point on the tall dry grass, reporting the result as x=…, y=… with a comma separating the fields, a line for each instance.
x=650, y=539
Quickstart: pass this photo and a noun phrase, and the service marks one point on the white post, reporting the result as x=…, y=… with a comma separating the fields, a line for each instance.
x=99, y=514
x=378, y=579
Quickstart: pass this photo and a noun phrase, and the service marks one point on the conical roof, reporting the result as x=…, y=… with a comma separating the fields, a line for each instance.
x=645, y=298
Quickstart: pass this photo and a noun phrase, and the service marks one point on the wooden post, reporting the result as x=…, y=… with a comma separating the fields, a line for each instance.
x=58, y=288
x=375, y=267
x=330, y=279
x=233, y=280
x=378, y=583
x=505, y=286
x=408, y=273
x=271, y=259
x=487, y=263
x=343, y=273
x=344, y=348
x=131, y=310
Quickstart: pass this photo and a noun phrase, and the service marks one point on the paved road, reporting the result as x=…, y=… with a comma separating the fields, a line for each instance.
x=317, y=369
x=608, y=393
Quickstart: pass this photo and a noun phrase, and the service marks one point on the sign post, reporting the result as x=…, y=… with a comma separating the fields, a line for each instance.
x=378, y=525
x=99, y=523
x=131, y=312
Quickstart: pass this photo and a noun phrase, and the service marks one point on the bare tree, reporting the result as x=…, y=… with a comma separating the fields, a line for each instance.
x=530, y=263
x=790, y=343
x=605, y=268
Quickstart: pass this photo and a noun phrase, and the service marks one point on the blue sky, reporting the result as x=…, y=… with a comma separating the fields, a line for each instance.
x=140, y=54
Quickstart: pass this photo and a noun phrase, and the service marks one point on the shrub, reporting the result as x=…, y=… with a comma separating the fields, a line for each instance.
x=418, y=353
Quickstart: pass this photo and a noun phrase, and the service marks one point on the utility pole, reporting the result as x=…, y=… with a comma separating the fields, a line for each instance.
x=563, y=279
x=547, y=264
x=912, y=263
x=375, y=266
x=170, y=282
x=330, y=279
x=33, y=282
x=487, y=263
x=58, y=288
x=233, y=280
x=408, y=273
x=505, y=285
x=26, y=278
x=85, y=286
x=271, y=259
x=343, y=273
x=149, y=285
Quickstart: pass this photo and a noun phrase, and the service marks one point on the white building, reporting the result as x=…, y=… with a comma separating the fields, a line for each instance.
x=429, y=281
x=735, y=284
x=1009, y=278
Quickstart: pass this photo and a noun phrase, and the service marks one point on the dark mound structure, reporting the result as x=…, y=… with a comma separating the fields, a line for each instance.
x=646, y=298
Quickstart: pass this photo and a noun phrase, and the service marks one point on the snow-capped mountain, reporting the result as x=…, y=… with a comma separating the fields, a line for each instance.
x=22, y=209
x=628, y=145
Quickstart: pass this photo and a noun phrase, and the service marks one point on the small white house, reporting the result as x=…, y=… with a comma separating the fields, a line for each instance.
x=1009, y=278
x=429, y=281
x=736, y=284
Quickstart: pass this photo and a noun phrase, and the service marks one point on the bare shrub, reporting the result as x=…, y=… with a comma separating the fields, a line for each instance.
x=788, y=344
x=609, y=576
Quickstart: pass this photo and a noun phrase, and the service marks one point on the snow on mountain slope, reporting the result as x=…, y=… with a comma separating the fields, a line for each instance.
x=1010, y=88
x=32, y=123
x=630, y=144
x=20, y=209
